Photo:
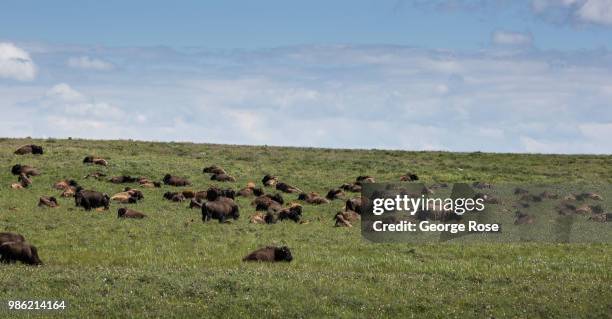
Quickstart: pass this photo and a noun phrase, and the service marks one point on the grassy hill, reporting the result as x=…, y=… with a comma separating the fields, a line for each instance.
x=173, y=265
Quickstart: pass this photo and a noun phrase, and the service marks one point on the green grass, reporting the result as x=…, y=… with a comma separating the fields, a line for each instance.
x=168, y=266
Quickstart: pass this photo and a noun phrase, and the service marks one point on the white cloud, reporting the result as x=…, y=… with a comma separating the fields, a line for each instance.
x=85, y=62
x=585, y=11
x=596, y=11
x=15, y=63
x=64, y=92
x=331, y=96
x=512, y=38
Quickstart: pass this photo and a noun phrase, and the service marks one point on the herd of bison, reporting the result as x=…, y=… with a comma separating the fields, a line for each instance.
x=218, y=203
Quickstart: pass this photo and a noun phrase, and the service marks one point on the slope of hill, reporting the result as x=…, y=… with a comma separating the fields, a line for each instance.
x=173, y=265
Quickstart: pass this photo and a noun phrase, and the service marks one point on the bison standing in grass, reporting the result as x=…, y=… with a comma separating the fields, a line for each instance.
x=19, y=251
x=220, y=208
x=91, y=199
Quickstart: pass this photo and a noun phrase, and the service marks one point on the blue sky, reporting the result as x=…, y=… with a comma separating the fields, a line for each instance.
x=503, y=76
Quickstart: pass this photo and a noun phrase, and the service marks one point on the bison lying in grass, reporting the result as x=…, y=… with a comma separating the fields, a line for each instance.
x=175, y=180
x=29, y=149
x=129, y=213
x=19, y=169
x=270, y=254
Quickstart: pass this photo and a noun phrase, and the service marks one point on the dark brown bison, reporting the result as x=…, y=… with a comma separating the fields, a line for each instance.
x=286, y=188
x=95, y=160
x=293, y=212
x=122, y=179
x=213, y=192
x=174, y=196
x=10, y=237
x=175, y=181
x=355, y=188
x=129, y=213
x=313, y=198
x=19, y=251
x=65, y=184
x=47, y=201
x=222, y=178
x=274, y=214
x=29, y=149
x=354, y=204
x=91, y=199
x=248, y=192
x=364, y=179
x=270, y=254
x=19, y=169
x=214, y=169
x=335, y=194
x=409, y=177
x=344, y=219
x=267, y=201
x=269, y=180
x=221, y=208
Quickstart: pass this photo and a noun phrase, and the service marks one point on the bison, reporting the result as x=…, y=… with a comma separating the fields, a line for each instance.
x=286, y=188
x=222, y=178
x=269, y=180
x=335, y=194
x=129, y=213
x=270, y=254
x=65, y=184
x=175, y=181
x=29, y=149
x=214, y=169
x=221, y=208
x=250, y=191
x=354, y=204
x=313, y=198
x=95, y=160
x=89, y=199
x=174, y=196
x=19, y=251
x=409, y=177
x=19, y=169
x=123, y=179
x=10, y=237
x=46, y=201
x=267, y=201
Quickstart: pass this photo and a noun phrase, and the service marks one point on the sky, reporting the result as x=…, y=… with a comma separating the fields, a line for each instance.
x=496, y=76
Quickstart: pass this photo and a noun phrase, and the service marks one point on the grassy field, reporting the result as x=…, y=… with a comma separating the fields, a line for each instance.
x=172, y=265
